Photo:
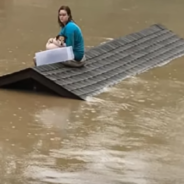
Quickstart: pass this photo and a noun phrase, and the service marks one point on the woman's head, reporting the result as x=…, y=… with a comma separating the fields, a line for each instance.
x=64, y=15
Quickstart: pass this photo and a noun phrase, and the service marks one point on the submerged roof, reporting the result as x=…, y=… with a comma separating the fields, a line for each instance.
x=107, y=64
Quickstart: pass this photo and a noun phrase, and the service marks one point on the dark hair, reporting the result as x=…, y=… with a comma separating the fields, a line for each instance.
x=68, y=10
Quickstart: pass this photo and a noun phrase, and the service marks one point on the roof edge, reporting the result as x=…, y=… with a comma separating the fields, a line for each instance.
x=10, y=78
x=53, y=86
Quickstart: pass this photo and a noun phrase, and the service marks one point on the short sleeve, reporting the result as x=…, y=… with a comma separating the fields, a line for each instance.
x=61, y=32
x=69, y=34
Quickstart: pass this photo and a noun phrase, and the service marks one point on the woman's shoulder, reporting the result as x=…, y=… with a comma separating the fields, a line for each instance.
x=72, y=25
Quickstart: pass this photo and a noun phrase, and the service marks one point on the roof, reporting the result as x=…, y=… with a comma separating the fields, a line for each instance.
x=107, y=64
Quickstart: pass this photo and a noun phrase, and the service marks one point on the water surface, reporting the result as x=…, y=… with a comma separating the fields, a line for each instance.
x=132, y=133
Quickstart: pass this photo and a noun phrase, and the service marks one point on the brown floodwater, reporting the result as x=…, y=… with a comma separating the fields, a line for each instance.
x=130, y=134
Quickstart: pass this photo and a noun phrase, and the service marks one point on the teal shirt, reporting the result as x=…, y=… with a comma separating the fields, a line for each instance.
x=74, y=38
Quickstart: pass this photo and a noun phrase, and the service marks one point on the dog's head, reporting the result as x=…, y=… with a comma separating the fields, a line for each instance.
x=61, y=39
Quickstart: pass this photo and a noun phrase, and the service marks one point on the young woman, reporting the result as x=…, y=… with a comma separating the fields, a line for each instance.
x=73, y=35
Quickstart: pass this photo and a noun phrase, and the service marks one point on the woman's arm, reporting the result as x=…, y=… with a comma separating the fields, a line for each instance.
x=69, y=37
x=68, y=33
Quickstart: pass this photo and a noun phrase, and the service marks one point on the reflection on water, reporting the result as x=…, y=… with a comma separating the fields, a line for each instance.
x=132, y=133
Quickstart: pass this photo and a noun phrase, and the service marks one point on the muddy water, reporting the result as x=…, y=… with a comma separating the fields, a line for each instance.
x=132, y=133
